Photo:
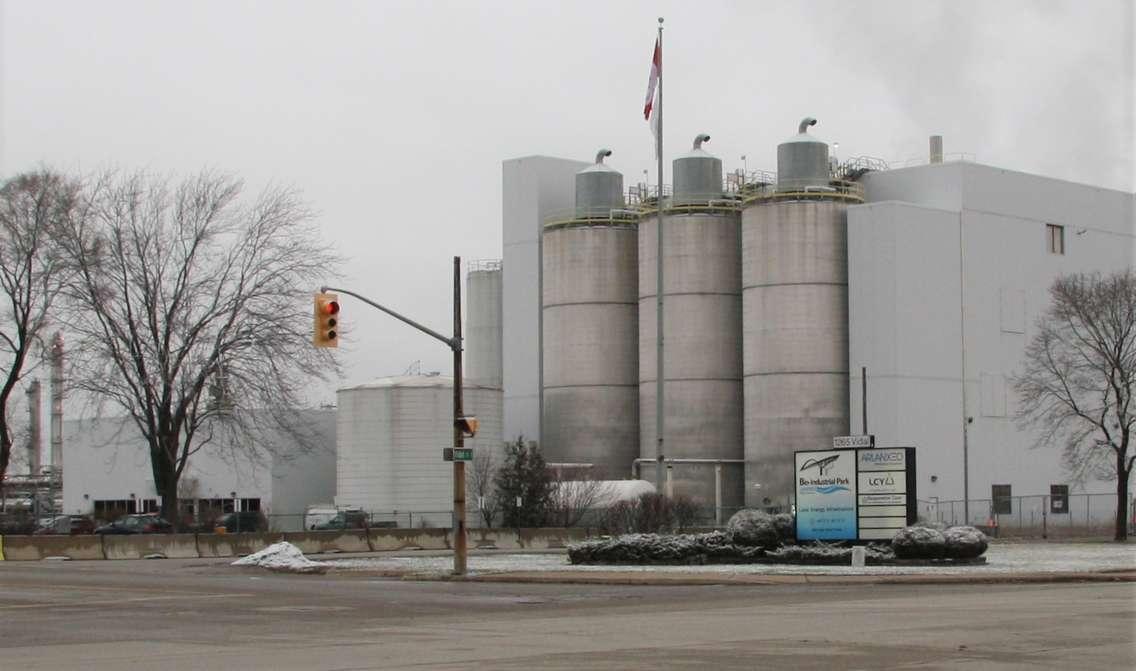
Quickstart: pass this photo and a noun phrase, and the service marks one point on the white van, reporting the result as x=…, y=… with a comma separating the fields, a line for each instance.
x=318, y=514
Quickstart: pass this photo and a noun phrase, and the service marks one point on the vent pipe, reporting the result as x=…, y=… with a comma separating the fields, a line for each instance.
x=57, y=402
x=936, y=148
x=34, y=418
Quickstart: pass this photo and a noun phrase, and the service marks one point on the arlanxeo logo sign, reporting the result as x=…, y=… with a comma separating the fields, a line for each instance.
x=821, y=482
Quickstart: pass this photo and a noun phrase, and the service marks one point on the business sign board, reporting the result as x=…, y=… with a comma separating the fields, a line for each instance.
x=826, y=495
x=854, y=494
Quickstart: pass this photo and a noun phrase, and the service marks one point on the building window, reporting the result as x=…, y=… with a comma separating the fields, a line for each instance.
x=1002, y=502
x=250, y=505
x=1055, y=238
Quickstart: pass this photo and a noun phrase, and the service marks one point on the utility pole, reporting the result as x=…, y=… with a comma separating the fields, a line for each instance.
x=459, y=431
x=460, y=422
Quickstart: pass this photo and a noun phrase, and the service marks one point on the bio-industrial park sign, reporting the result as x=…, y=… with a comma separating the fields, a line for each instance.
x=826, y=495
x=854, y=494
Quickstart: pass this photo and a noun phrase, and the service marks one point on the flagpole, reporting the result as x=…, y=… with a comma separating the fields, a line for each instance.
x=659, y=377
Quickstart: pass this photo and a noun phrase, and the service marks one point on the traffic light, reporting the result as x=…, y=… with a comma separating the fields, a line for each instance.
x=326, y=320
x=468, y=426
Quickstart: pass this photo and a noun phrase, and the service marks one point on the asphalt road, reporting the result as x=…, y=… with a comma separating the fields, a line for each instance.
x=200, y=614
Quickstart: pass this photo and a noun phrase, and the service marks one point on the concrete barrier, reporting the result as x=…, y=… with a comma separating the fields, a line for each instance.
x=550, y=539
x=493, y=539
x=139, y=546
x=409, y=539
x=234, y=545
x=319, y=542
x=31, y=548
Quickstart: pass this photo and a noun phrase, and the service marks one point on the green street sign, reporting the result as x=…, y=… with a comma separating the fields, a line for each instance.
x=457, y=454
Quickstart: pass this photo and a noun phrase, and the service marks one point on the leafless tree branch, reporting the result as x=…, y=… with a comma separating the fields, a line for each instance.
x=191, y=313
x=1077, y=378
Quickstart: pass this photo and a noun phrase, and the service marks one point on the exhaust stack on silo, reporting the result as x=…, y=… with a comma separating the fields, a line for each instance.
x=702, y=324
x=795, y=317
x=590, y=329
x=936, y=148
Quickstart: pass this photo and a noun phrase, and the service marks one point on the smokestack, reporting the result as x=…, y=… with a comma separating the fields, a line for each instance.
x=57, y=403
x=34, y=417
x=936, y=148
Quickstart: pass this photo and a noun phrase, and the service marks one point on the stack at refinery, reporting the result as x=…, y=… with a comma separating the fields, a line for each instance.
x=702, y=334
x=590, y=387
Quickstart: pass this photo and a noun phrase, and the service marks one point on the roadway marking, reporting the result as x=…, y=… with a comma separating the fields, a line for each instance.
x=111, y=602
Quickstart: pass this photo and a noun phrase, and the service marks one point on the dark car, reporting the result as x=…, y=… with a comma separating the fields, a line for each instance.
x=64, y=525
x=241, y=522
x=137, y=524
x=344, y=519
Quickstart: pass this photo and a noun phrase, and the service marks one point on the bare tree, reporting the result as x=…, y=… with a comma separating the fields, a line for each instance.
x=482, y=472
x=574, y=495
x=192, y=315
x=32, y=207
x=1078, y=378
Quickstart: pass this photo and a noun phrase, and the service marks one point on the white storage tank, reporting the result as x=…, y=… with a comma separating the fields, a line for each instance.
x=482, y=362
x=390, y=434
x=702, y=334
x=590, y=347
x=795, y=319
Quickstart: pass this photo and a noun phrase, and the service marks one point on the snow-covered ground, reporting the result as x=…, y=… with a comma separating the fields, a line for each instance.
x=1000, y=559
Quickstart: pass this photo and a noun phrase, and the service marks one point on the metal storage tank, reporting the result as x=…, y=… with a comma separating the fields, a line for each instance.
x=599, y=189
x=389, y=439
x=802, y=160
x=795, y=317
x=589, y=305
x=483, y=323
x=702, y=329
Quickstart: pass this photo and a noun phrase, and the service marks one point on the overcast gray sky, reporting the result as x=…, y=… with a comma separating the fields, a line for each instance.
x=393, y=117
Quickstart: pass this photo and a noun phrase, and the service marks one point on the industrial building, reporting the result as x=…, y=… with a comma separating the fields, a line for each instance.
x=106, y=472
x=778, y=290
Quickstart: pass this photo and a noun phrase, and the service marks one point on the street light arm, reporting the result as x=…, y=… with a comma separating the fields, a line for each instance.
x=452, y=343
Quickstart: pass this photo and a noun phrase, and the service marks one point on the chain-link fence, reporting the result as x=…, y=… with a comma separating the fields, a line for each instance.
x=357, y=519
x=1081, y=515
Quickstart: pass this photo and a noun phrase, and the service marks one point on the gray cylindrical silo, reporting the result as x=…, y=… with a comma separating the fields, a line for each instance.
x=702, y=385
x=795, y=322
x=589, y=304
x=483, y=323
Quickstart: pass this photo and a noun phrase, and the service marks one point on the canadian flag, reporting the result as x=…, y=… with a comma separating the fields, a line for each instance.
x=650, y=114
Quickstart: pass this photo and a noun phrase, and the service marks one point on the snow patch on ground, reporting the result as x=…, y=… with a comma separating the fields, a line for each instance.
x=1000, y=559
x=285, y=557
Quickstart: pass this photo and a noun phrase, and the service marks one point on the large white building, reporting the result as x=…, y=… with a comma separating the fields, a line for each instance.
x=106, y=471
x=949, y=267
x=533, y=189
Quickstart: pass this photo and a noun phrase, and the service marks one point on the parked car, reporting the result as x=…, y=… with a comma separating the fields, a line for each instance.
x=344, y=519
x=137, y=524
x=64, y=525
x=241, y=522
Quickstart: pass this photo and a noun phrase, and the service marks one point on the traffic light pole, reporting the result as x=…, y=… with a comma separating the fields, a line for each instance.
x=455, y=344
x=459, y=435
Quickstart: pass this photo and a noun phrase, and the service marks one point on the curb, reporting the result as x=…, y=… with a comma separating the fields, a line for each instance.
x=599, y=578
